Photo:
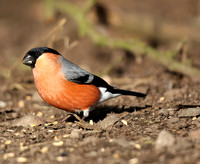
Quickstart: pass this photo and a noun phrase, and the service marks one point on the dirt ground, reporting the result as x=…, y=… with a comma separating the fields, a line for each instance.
x=163, y=128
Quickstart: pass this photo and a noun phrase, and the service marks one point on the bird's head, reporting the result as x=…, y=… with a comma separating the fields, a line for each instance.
x=32, y=55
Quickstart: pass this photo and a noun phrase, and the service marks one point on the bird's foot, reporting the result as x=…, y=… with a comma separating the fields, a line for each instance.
x=72, y=115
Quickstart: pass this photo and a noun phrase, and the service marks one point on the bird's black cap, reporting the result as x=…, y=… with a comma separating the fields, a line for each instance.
x=32, y=55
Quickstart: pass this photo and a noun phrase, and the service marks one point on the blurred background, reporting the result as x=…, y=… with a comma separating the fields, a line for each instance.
x=113, y=34
x=150, y=46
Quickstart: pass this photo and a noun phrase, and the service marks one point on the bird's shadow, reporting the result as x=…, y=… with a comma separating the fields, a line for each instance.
x=100, y=112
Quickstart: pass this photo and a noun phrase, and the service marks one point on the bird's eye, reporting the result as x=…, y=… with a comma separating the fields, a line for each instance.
x=38, y=53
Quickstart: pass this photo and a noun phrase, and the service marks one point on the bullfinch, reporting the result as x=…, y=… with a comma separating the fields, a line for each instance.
x=65, y=85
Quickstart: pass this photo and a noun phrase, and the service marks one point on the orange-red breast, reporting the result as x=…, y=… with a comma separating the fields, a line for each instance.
x=67, y=86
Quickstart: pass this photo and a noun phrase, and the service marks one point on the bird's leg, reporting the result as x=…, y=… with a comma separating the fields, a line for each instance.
x=83, y=118
x=78, y=118
x=85, y=114
x=66, y=118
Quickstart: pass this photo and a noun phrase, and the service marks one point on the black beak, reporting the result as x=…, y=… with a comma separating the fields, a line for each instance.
x=28, y=60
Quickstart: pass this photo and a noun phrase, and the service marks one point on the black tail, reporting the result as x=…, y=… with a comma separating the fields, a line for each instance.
x=126, y=92
x=97, y=81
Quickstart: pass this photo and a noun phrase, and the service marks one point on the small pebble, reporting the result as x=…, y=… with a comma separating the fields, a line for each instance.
x=10, y=130
x=58, y=143
x=71, y=149
x=22, y=148
x=133, y=161
x=76, y=134
x=2, y=104
x=137, y=146
x=55, y=122
x=116, y=156
x=8, y=142
x=22, y=159
x=21, y=144
x=55, y=138
x=102, y=149
x=66, y=135
x=40, y=114
x=33, y=125
x=8, y=155
x=124, y=122
x=92, y=153
x=47, y=124
x=52, y=116
x=51, y=131
x=164, y=140
x=91, y=122
x=28, y=98
x=21, y=104
x=194, y=118
x=44, y=149
x=59, y=158
x=111, y=140
x=161, y=99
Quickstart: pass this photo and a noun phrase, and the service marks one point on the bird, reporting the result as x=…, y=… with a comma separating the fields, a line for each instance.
x=67, y=86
